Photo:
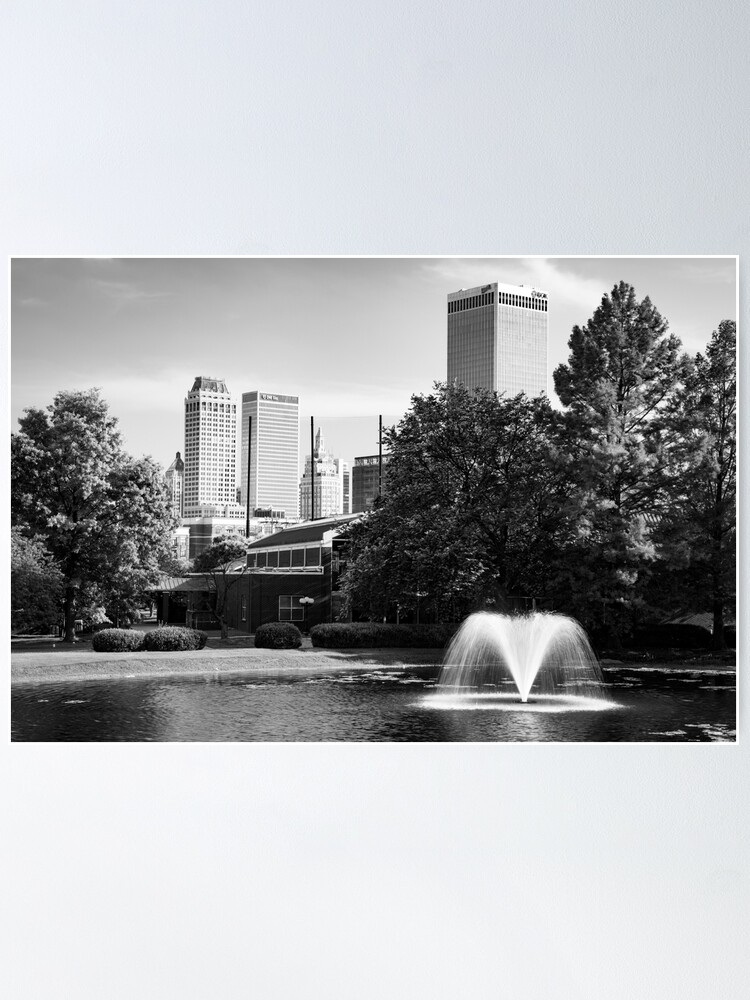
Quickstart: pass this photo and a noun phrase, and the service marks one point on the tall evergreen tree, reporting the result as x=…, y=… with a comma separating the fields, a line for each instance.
x=623, y=373
x=698, y=529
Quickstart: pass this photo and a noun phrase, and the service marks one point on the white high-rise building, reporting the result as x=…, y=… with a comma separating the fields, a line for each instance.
x=274, y=453
x=326, y=486
x=345, y=474
x=210, y=448
x=497, y=338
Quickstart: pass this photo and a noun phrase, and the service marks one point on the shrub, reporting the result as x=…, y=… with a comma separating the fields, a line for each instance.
x=339, y=635
x=117, y=640
x=278, y=635
x=175, y=638
x=674, y=636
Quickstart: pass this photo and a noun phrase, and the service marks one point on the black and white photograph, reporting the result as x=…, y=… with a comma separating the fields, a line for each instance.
x=375, y=486
x=374, y=499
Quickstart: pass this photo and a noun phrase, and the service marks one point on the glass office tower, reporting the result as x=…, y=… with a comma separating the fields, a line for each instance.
x=497, y=338
x=274, y=452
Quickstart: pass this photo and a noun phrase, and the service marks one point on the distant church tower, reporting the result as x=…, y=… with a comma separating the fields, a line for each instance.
x=328, y=483
x=175, y=476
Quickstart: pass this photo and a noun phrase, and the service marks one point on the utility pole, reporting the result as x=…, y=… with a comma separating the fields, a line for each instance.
x=380, y=455
x=312, y=468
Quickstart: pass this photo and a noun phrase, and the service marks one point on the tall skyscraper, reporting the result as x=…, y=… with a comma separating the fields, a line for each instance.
x=274, y=452
x=345, y=473
x=175, y=476
x=327, y=485
x=368, y=481
x=497, y=338
x=210, y=447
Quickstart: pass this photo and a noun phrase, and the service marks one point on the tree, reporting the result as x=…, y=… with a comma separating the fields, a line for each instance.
x=624, y=372
x=36, y=584
x=474, y=496
x=223, y=564
x=102, y=515
x=698, y=528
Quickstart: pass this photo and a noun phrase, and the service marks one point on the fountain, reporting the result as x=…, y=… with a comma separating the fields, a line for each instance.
x=550, y=651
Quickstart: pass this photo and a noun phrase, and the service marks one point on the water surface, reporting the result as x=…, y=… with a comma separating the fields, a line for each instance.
x=382, y=704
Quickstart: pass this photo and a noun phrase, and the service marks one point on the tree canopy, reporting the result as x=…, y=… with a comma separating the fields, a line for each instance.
x=618, y=509
x=697, y=528
x=474, y=496
x=103, y=516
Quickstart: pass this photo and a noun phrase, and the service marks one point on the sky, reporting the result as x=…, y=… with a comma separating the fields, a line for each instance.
x=352, y=337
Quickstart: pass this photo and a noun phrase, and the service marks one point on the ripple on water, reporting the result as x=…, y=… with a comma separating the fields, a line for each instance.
x=511, y=703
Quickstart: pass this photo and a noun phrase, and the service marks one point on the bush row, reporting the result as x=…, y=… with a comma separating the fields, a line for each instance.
x=170, y=638
x=339, y=635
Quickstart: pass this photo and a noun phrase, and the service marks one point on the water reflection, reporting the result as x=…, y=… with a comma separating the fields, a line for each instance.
x=397, y=704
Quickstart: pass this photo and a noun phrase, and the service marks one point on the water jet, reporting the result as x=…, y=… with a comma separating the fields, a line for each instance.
x=549, y=652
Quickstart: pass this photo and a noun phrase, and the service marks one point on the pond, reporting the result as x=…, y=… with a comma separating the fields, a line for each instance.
x=392, y=704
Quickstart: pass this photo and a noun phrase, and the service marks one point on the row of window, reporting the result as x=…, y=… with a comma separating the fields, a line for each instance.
x=505, y=298
x=524, y=301
x=472, y=302
x=285, y=558
x=194, y=405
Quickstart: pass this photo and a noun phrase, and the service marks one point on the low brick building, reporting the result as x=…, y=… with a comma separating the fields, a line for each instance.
x=292, y=576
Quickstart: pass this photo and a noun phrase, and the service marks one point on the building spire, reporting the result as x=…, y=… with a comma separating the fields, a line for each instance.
x=319, y=442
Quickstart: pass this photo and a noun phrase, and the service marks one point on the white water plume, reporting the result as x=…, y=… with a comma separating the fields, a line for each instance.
x=550, y=651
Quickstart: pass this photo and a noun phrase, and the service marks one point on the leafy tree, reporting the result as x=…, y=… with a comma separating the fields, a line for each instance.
x=223, y=565
x=36, y=584
x=698, y=519
x=103, y=516
x=475, y=495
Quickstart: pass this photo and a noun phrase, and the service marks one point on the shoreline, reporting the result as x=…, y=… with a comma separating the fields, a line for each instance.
x=64, y=666
x=46, y=667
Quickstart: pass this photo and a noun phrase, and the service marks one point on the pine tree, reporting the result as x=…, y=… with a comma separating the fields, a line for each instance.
x=698, y=520
x=623, y=373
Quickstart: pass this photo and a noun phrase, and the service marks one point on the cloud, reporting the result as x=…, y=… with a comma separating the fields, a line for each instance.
x=556, y=276
x=125, y=293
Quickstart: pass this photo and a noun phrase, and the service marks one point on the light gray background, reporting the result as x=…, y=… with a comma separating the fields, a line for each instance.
x=375, y=871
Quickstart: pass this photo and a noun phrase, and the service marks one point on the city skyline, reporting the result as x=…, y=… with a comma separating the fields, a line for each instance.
x=353, y=337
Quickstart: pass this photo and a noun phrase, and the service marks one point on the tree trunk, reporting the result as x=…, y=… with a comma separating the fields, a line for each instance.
x=70, y=613
x=719, y=645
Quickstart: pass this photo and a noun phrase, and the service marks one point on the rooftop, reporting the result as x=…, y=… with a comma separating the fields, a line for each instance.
x=305, y=533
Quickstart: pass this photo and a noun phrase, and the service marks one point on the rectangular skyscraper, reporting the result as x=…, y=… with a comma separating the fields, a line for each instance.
x=274, y=452
x=497, y=338
x=210, y=446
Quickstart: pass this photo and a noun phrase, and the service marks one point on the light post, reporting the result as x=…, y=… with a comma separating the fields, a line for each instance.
x=305, y=601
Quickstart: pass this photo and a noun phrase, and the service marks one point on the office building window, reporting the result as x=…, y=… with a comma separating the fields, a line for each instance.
x=290, y=610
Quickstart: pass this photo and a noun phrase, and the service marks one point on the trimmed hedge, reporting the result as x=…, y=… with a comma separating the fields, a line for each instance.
x=174, y=638
x=278, y=635
x=374, y=635
x=117, y=640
